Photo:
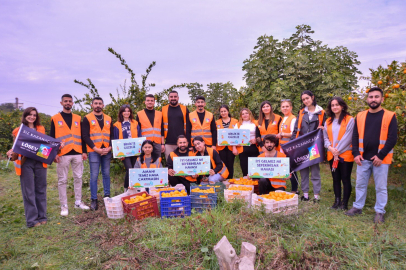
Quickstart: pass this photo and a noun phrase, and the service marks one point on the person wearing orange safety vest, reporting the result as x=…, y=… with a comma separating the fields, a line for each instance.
x=175, y=118
x=337, y=139
x=268, y=123
x=265, y=185
x=97, y=132
x=33, y=175
x=65, y=126
x=125, y=128
x=203, y=124
x=310, y=118
x=148, y=158
x=150, y=122
x=218, y=171
x=374, y=136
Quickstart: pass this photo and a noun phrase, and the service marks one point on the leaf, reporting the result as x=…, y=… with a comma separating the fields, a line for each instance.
x=206, y=258
x=204, y=249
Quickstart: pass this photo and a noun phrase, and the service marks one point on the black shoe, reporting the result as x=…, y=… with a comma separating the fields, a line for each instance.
x=94, y=205
x=353, y=211
x=343, y=206
x=316, y=200
x=304, y=199
x=336, y=204
x=107, y=196
x=379, y=218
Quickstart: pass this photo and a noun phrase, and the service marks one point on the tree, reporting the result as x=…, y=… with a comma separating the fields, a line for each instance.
x=283, y=69
x=7, y=107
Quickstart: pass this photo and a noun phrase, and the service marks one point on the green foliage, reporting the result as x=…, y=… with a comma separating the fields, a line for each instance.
x=8, y=122
x=6, y=107
x=283, y=69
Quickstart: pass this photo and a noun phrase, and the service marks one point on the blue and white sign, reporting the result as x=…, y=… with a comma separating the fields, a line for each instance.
x=185, y=166
x=148, y=177
x=127, y=147
x=229, y=137
x=268, y=167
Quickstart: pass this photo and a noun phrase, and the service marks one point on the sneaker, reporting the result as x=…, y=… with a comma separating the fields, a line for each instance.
x=303, y=198
x=316, y=200
x=379, y=218
x=81, y=205
x=64, y=210
x=94, y=205
x=353, y=211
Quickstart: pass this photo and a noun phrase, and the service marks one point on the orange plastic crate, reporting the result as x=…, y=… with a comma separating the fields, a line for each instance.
x=140, y=210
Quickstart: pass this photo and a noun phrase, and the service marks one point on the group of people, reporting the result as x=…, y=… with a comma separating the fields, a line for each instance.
x=174, y=131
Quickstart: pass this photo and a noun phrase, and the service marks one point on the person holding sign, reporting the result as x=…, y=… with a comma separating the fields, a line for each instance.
x=337, y=139
x=310, y=118
x=181, y=151
x=265, y=185
x=97, y=131
x=226, y=152
x=268, y=123
x=218, y=171
x=148, y=157
x=65, y=126
x=125, y=128
x=203, y=124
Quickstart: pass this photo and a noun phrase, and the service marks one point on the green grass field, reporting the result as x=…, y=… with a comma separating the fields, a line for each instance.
x=315, y=238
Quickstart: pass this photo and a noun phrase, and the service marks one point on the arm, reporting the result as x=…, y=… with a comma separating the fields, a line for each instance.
x=325, y=136
x=86, y=133
x=295, y=129
x=217, y=160
x=213, y=130
x=116, y=133
x=355, y=140
x=188, y=127
x=346, y=140
x=258, y=137
x=52, y=131
x=391, y=140
x=137, y=164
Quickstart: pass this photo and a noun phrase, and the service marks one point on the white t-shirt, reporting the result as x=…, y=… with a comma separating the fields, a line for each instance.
x=249, y=125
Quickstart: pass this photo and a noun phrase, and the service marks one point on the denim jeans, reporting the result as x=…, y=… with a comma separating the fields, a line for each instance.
x=95, y=161
x=380, y=177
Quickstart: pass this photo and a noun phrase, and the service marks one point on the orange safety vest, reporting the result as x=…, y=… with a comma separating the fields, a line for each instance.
x=276, y=182
x=285, y=128
x=387, y=118
x=155, y=164
x=98, y=136
x=166, y=118
x=219, y=124
x=17, y=163
x=72, y=137
x=152, y=133
x=347, y=155
x=199, y=129
x=299, y=123
x=224, y=171
x=133, y=128
x=189, y=178
x=272, y=129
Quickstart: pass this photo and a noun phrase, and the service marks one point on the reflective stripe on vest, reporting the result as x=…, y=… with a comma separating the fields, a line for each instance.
x=299, y=123
x=152, y=133
x=98, y=136
x=71, y=136
x=155, y=164
x=166, y=118
x=347, y=154
x=199, y=129
x=224, y=171
x=133, y=129
x=219, y=124
x=189, y=178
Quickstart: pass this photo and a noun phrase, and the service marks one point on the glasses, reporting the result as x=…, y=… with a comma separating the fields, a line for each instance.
x=125, y=106
x=285, y=99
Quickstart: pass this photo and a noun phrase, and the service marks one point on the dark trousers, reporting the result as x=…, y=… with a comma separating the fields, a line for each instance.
x=129, y=163
x=174, y=180
x=34, y=189
x=294, y=181
x=342, y=174
x=228, y=157
x=265, y=186
x=249, y=151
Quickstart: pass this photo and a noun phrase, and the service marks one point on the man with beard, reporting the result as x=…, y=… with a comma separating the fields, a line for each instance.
x=66, y=127
x=181, y=151
x=203, y=124
x=175, y=124
x=97, y=132
x=265, y=185
x=373, y=139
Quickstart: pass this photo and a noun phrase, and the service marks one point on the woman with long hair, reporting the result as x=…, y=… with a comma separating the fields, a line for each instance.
x=268, y=123
x=148, y=159
x=126, y=127
x=338, y=140
x=226, y=152
x=310, y=118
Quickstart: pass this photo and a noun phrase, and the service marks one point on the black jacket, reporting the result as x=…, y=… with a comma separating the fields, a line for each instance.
x=307, y=126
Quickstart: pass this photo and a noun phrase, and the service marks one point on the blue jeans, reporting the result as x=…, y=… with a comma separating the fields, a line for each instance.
x=95, y=160
x=380, y=177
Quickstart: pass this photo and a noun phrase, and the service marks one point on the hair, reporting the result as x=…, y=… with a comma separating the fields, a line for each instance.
x=287, y=101
x=154, y=156
x=26, y=112
x=262, y=115
x=376, y=89
x=309, y=93
x=200, y=97
x=173, y=91
x=180, y=137
x=343, y=113
x=225, y=107
x=67, y=95
x=97, y=98
x=252, y=119
x=199, y=139
x=272, y=138
x=149, y=96
x=120, y=113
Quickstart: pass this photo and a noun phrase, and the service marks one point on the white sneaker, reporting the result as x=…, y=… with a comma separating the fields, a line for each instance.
x=81, y=205
x=64, y=210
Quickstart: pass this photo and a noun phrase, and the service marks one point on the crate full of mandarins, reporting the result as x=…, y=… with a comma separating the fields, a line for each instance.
x=276, y=202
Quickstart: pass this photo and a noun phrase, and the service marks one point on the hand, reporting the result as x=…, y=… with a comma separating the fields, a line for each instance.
x=211, y=172
x=162, y=148
x=333, y=150
x=253, y=141
x=290, y=176
x=190, y=148
x=235, y=151
x=320, y=127
x=358, y=160
x=336, y=158
x=214, y=147
x=84, y=156
x=98, y=150
x=62, y=145
x=171, y=172
x=57, y=159
x=247, y=177
x=10, y=153
x=263, y=149
x=195, y=176
x=279, y=135
x=376, y=161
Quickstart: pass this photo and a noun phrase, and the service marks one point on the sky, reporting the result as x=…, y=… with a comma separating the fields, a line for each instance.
x=46, y=45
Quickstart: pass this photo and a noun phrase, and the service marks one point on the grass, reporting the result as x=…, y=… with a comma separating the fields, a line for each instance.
x=315, y=238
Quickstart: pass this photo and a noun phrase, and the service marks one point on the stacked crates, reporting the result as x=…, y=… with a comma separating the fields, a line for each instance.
x=174, y=206
x=202, y=200
x=154, y=191
x=288, y=206
x=244, y=195
x=140, y=210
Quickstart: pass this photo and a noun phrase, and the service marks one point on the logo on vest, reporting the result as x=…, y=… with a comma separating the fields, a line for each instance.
x=60, y=123
x=285, y=126
x=93, y=122
x=107, y=122
x=194, y=120
x=314, y=152
x=76, y=124
x=218, y=126
x=44, y=151
x=207, y=120
x=273, y=123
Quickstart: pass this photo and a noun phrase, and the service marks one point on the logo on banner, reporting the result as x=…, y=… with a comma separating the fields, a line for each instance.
x=76, y=124
x=313, y=152
x=60, y=123
x=93, y=122
x=44, y=151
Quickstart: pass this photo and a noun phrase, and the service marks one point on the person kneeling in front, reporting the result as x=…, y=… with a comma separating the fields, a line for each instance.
x=218, y=171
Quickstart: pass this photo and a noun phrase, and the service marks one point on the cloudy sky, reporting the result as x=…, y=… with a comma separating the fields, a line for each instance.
x=45, y=45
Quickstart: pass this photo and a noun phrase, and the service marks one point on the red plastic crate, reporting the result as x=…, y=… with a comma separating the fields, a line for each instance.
x=140, y=210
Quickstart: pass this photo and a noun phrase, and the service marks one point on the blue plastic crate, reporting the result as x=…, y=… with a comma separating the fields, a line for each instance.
x=200, y=203
x=174, y=206
x=202, y=187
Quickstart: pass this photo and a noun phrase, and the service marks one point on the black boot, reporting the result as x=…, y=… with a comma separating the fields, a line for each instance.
x=344, y=205
x=337, y=203
x=94, y=205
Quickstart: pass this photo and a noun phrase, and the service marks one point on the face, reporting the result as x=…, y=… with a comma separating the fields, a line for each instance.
x=374, y=99
x=126, y=113
x=31, y=117
x=97, y=105
x=286, y=108
x=266, y=109
x=335, y=107
x=200, y=104
x=269, y=145
x=67, y=103
x=307, y=100
x=245, y=115
x=199, y=145
x=150, y=102
x=147, y=149
x=182, y=144
x=173, y=99
x=223, y=113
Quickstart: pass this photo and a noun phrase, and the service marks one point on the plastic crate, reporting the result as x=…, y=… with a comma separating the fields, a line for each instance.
x=288, y=206
x=154, y=191
x=114, y=207
x=234, y=185
x=218, y=187
x=230, y=195
x=174, y=206
x=142, y=209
